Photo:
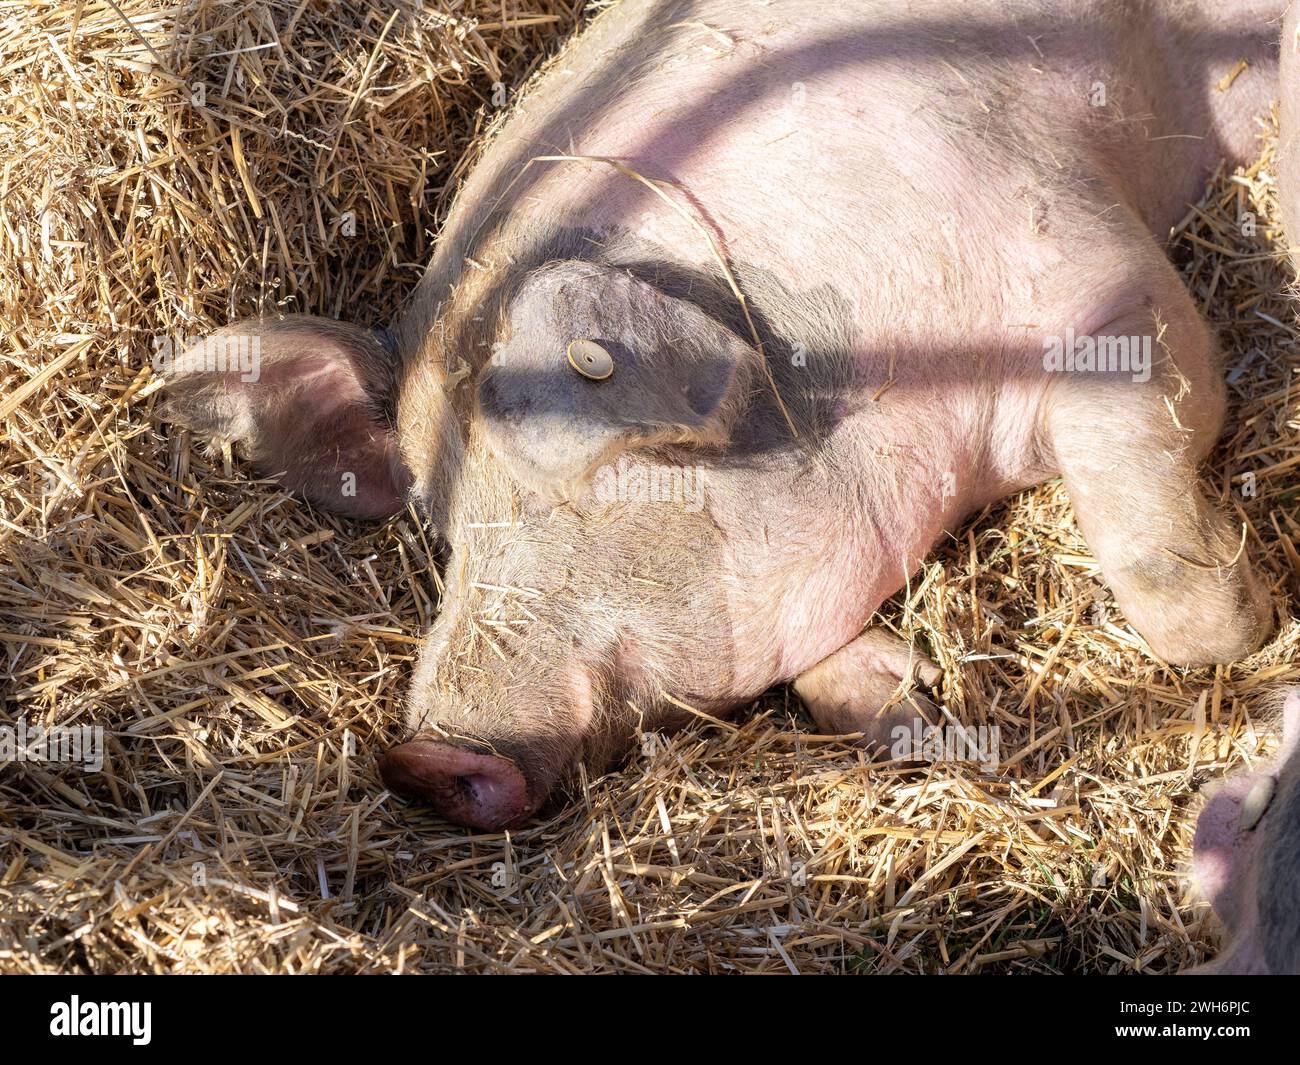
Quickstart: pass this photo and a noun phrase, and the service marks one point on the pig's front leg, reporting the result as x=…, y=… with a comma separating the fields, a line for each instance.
x=868, y=686
x=1128, y=450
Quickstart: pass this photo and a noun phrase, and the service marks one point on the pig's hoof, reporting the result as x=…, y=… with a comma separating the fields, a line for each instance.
x=869, y=688
x=881, y=728
x=1193, y=616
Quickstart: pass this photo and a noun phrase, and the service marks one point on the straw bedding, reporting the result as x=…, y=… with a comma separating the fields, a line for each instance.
x=168, y=167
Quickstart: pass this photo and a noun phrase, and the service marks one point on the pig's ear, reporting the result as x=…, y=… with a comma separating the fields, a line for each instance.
x=306, y=397
x=595, y=361
x=1290, y=725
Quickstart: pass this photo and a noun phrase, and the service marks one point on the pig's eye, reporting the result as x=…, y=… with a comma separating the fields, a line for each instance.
x=590, y=359
x=1256, y=802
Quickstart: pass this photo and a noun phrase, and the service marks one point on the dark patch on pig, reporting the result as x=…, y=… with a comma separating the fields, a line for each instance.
x=679, y=378
x=1153, y=574
x=460, y=333
x=817, y=323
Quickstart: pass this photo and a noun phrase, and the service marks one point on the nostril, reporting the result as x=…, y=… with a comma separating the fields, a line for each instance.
x=484, y=791
x=468, y=788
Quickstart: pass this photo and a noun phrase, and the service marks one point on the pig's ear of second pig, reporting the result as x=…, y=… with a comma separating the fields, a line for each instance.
x=1290, y=725
x=599, y=363
x=308, y=400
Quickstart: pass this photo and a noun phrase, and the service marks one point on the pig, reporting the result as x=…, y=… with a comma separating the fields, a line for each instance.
x=1246, y=852
x=852, y=272
x=1245, y=859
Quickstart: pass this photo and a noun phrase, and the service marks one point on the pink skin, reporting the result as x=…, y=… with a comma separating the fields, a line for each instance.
x=477, y=790
x=1224, y=853
x=1230, y=856
x=914, y=196
x=799, y=587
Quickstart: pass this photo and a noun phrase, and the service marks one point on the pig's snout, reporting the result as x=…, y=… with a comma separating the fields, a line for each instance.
x=484, y=791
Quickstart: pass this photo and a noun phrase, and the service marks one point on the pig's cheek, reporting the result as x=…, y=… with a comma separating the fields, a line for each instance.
x=1221, y=852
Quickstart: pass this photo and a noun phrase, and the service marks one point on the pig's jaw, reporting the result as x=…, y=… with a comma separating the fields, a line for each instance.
x=809, y=588
x=781, y=575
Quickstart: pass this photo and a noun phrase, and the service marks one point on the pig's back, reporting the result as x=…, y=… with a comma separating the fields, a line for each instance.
x=945, y=177
x=916, y=152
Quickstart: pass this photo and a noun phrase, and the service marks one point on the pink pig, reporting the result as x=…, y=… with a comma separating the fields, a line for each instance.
x=1247, y=848
x=1246, y=854
x=947, y=224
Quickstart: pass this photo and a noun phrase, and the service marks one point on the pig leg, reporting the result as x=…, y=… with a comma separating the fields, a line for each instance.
x=1128, y=452
x=869, y=686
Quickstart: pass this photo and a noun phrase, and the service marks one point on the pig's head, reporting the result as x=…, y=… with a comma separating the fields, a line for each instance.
x=1246, y=859
x=528, y=428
